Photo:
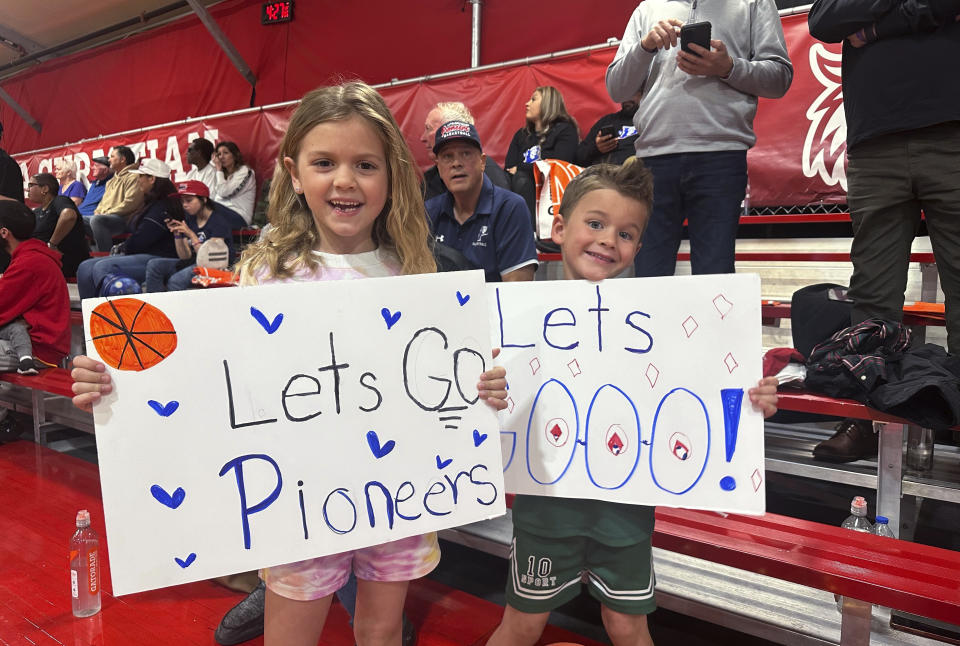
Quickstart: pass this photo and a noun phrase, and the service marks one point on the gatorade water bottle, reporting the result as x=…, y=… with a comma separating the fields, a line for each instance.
x=85, y=568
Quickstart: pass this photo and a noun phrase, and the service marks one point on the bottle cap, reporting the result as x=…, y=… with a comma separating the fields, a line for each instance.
x=83, y=518
x=859, y=506
x=883, y=520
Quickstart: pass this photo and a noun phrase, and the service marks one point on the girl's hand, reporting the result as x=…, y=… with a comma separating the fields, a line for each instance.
x=493, y=385
x=764, y=396
x=90, y=381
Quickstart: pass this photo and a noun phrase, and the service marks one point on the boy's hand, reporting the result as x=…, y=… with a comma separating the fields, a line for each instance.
x=493, y=385
x=764, y=396
x=90, y=381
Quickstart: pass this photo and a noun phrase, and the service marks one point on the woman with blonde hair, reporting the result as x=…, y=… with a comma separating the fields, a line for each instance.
x=549, y=132
x=70, y=186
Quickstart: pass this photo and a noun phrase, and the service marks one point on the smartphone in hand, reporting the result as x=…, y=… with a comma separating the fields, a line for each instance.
x=695, y=32
x=606, y=131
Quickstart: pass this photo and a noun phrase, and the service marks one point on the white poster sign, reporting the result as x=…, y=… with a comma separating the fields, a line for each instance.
x=633, y=390
x=256, y=426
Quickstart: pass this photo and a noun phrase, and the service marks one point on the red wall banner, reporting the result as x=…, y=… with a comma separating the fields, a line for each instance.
x=798, y=158
x=177, y=70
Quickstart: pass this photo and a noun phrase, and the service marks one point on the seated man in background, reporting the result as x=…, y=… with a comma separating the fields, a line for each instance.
x=122, y=198
x=199, y=154
x=440, y=114
x=100, y=174
x=612, y=139
x=34, y=303
x=487, y=224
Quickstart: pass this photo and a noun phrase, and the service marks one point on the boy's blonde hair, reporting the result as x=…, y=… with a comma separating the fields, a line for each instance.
x=402, y=225
x=632, y=179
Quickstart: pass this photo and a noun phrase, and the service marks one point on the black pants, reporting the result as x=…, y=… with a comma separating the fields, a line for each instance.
x=891, y=179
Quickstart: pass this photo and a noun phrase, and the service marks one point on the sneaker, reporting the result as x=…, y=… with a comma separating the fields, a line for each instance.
x=27, y=367
x=854, y=439
x=244, y=621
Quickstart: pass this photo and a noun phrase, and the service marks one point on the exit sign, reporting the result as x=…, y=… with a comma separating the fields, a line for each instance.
x=276, y=12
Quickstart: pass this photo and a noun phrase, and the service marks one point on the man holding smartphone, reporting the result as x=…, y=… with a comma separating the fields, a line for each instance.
x=612, y=138
x=695, y=120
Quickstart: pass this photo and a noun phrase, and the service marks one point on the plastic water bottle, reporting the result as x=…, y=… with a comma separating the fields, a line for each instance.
x=882, y=528
x=857, y=521
x=85, y=568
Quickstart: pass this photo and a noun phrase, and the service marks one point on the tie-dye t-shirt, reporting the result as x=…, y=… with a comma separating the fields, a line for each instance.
x=403, y=560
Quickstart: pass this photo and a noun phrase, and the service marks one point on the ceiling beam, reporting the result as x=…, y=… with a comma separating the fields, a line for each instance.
x=26, y=116
x=223, y=41
x=21, y=42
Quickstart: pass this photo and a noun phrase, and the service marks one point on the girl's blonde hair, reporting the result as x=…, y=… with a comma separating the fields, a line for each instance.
x=552, y=110
x=402, y=225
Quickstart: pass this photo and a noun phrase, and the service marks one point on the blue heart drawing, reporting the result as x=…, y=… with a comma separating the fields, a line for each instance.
x=164, y=498
x=269, y=326
x=389, y=318
x=164, y=410
x=463, y=299
x=185, y=563
x=478, y=437
x=374, y=441
x=442, y=464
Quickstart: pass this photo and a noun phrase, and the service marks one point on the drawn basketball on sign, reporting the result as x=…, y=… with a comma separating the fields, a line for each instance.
x=679, y=441
x=612, y=438
x=552, y=432
x=130, y=334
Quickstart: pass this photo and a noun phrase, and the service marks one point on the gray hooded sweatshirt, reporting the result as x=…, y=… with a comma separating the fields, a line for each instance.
x=680, y=113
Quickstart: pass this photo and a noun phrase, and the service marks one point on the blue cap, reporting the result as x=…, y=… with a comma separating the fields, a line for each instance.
x=456, y=131
x=883, y=520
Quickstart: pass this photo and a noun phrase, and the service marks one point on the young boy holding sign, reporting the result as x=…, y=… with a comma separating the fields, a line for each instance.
x=557, y=541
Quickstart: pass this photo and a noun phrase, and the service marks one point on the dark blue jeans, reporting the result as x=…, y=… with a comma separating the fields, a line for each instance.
x=707, y=190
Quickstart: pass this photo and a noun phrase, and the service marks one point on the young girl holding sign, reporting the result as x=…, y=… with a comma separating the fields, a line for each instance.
x=345, y=203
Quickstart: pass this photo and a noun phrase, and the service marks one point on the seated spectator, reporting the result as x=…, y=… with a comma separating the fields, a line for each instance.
x=236, y=185
x=58, y=222
x=205, y=220
x=34, y=303
x=549, y=133
x=100, y=174
x=615, y=144
x=122, y=198
x=11, y=177
x=150, y=238
x=199, y=154
x=487, y=224
x=70, y=186
x=440, y=114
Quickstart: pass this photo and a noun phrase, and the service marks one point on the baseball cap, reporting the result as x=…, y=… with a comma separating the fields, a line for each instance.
x=193, y=187
x=456, y=131
x=151, y=166
x=103, y=161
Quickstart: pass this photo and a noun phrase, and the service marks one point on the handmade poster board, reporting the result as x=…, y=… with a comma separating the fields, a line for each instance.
x=633, y=390
x=257, y=426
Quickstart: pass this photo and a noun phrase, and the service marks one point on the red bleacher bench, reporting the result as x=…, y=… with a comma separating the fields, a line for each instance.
x=48, y=399
x=907, y=576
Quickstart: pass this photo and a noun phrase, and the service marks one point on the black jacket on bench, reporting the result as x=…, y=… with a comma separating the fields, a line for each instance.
x=874, y=363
